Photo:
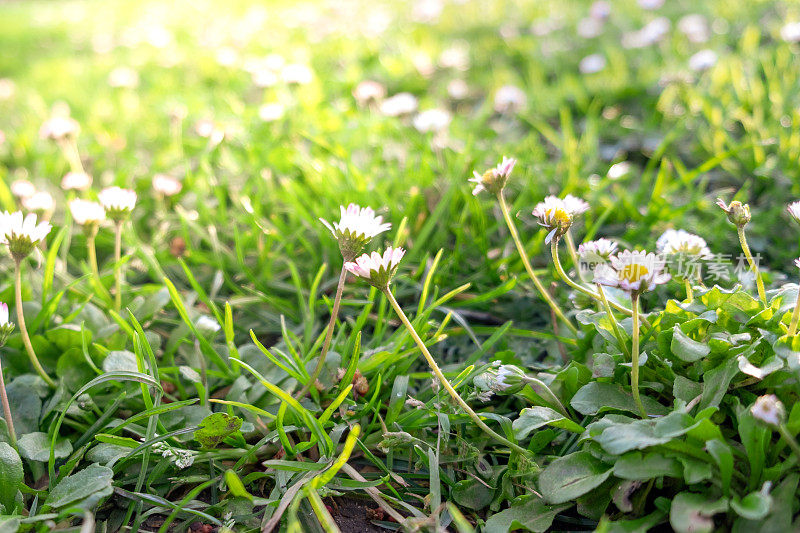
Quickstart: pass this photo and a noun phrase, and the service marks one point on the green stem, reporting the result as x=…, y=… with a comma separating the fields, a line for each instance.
x=795, y=315
x=614, y=326
x=524, y=256
x=7, y=409
x=689, y=291
x=635, y=355
x=326, y=344
x=443, y=380
x=117, y=266
x=573, y=253
x=26, y=340
x=790, y=440
x=753, y=266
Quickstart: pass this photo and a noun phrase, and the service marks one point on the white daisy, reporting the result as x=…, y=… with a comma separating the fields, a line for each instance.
x=432, y=120
x=768, y=409
x=40, y=202
x=58, y=128
x=166, y=185
x=21, y=234
x=509, y=99
x=634, y=272
x=399, y=104
x=356, y=227
x=79, y=181
x=377, y=269
x=675, y=242
x=87, y=213
x=118, y=202
x=22, y=188
x=494, y=179
x=794, y=211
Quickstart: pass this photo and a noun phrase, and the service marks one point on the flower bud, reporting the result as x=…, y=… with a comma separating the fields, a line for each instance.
x=738, y=213
x=769, y=410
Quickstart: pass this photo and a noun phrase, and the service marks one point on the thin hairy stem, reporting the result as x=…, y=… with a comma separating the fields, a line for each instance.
x=26, y=340
x=753, y=266
x=795, y=315
x=689, y=291
x=614, y=326
x=7, y=409
x=443, y=380
x=790, y=440
x=326, y=344
x=635, y=355
x=524, y=256
x=573, y=254
x=117, y=265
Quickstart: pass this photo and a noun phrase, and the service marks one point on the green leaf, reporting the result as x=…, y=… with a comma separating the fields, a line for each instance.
x=571, y=476
x=11, y=475
x=36, y=447
x=215, y=428
x=84, y=488
x=527, y=514
x=634, y=466
x=723, y=456
x=472, y=494
x=236, y=486
x=533, y=418
x=597, y=397
x=692, y=513
x=754, y=506
x=622, y=437
x=716, y=382
x=686, y=349
x=120, y=360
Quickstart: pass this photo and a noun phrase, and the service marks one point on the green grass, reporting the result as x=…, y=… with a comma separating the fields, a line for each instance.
x=258, y=261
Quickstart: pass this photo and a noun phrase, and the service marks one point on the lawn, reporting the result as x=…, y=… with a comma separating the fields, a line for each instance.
x=192, y=342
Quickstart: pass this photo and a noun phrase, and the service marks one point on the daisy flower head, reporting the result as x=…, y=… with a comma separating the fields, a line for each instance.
x=356, y=227
x=78, y=181
x=87, y=213
x=22, y=188
x=738, y=213
x=554, y=217
x=794, y=210
x=494, y=179
x=166, y=185
x=118, y=202
x=769, y=410
x=634, y=272
x=377, y=269
x=6, y=327
x=509, y=378
x=21, y=234
x=591, y=254
x=681, y=242
x=40, y=202
x=797, y=263
x=58, y=128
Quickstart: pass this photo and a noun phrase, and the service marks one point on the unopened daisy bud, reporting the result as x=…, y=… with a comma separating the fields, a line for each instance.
x=166, y=185
x=118, y=202
x=377, y=269
x=554, y=217
x=40, y=202
x=738, y=213
x=21, y=234
x=207, y=326
x=494, y=179
x=794, y=211
x=6, y=327
x=356, y=227
x=22, y=189
x=769, y=410
x=506, y=379
x=77, y=181
x=86, y=213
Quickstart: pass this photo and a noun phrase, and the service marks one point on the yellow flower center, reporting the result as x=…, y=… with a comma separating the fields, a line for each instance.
x=560, y=217
x=633, y=273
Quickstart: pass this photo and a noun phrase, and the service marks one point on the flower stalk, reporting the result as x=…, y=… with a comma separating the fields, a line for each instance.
x=26, y=340
x=443, y=380
x=7, y=409
x=753, y=265
x=524, y=256
x=795, y=315
x=635, y=354
x=117, y=265
x=326, y=344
